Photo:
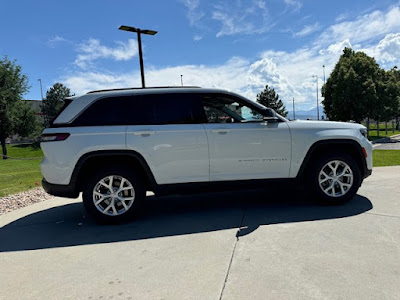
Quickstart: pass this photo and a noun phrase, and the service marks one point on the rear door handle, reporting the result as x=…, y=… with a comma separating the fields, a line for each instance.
x=143, y=132
x=220, y=131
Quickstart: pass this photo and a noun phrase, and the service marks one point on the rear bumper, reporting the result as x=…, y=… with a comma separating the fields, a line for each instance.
x=60, y=190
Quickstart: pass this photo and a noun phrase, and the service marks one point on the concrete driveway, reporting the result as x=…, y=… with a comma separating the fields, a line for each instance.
x=242, y=245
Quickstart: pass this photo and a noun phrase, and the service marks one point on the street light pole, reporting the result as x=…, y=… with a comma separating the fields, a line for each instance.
x=323, y=67
x=316, y=79
x=294, y=113
x=181, y=80
x=41, y=90
x=139, y=32
x=141, y=57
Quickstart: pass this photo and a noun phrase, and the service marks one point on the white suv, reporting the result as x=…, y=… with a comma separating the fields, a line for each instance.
x=114, y=145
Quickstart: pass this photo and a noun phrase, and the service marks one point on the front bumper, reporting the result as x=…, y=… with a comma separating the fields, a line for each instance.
x=60, y=190
x=367, y=173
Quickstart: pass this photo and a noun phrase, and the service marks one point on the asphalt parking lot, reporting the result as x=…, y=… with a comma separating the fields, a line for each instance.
x=242, y=245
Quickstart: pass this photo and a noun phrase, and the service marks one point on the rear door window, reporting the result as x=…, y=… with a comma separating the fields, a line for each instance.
x=177, y=109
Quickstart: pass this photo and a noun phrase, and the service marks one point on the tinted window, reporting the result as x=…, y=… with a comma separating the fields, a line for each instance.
x=143, y=110
x=115, y=111
x=178, y=109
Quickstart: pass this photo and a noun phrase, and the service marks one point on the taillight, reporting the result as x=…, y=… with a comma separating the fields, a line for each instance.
x=53, y=137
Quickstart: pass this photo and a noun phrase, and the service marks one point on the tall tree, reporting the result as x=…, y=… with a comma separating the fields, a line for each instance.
x=269, y=98
x=13, y=84
x=54, y=101
x=394, y=75
x=389, y=96
x=26, y=122
x=351, y=90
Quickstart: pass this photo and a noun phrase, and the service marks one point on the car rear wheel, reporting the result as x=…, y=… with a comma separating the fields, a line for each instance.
x=113, y=195
x=335, y=178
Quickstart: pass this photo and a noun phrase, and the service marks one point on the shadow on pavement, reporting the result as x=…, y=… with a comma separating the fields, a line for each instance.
x=170, y=216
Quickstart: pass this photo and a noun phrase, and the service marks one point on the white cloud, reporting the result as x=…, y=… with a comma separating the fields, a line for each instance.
x=82, y=82
x=342, y=17
x=365, y=28
x=386, y=52
x=296, y=4
x=93, y=50
x=388, y=49
x=242, y=18
x=337, y=48
x=197, y=38
x=307, y=30
x=54, y=41
x=194, y=14
x=229, y=75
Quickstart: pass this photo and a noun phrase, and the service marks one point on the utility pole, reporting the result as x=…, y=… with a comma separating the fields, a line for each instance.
x=181, y=80
x=139, y=32
x=316, y=79
x=294, y=113
x=41, y=90
x=323, y=67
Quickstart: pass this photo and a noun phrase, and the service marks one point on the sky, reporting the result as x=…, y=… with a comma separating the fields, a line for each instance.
x=237, y=45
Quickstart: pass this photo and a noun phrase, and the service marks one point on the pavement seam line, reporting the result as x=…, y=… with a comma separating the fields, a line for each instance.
x=382, y=215
x=233, y=253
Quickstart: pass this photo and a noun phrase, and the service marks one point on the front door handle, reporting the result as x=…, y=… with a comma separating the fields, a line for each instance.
x=143, y=132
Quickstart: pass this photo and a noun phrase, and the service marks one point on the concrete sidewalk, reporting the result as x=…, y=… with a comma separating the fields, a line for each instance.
x=242, y=245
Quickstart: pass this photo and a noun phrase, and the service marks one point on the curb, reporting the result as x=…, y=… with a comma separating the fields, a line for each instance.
x=385, y=139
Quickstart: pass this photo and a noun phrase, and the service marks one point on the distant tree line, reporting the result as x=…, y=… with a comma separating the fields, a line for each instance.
x=358, y=89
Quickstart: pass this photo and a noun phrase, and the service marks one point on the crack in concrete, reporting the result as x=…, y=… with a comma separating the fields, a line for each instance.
x=233, y=253
x=382, y=215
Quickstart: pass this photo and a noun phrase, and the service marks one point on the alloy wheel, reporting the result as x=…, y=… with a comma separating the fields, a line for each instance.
x=335, y=178
x=113, y=195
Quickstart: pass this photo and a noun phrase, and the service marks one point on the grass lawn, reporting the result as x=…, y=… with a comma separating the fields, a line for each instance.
x=384, y=158
x=20, y=175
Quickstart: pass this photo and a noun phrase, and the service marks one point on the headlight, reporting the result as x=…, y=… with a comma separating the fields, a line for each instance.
x=363, y=131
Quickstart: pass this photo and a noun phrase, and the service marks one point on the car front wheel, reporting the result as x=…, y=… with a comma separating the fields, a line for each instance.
x=335, y=178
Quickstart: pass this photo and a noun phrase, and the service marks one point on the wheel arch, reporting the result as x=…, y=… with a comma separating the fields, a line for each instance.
x=319, y=148
x=92, y=160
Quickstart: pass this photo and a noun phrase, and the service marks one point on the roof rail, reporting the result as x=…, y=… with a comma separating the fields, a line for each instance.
x=141, y=88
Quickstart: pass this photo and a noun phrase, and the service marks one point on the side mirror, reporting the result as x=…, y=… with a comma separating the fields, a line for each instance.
x=269, y=112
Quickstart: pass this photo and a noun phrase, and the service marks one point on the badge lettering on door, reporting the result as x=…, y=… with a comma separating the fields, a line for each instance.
x=261, y=160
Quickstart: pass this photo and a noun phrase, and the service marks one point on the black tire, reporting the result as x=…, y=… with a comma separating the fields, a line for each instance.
x=338, y=189
x=119, y=212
